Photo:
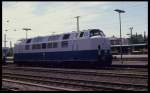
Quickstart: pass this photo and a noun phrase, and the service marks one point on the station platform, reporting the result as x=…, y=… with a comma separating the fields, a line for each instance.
x=135, y=58
x=130, y=63
x=132, y=56
x=130, y=60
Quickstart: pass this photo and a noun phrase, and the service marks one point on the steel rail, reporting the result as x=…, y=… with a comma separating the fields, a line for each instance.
x=129, y=75
x=37, y=85
x=62, y=80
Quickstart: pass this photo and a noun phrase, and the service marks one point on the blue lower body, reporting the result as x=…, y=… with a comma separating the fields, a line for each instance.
x=68, y=57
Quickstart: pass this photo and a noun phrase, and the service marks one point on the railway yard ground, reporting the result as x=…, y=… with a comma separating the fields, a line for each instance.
x=23, y=78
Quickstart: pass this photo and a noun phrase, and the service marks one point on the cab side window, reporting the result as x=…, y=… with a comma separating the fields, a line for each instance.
x=81, y=34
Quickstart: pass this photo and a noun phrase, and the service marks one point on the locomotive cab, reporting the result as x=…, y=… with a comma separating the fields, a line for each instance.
x=103, y=46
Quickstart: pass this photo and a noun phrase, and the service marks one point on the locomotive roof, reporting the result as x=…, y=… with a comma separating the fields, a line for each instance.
x=54, y=37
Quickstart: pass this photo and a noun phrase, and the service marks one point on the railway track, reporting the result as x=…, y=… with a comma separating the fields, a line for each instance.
x=132, y=79
x=76, y=84
x=31, y=86
x=124, y=73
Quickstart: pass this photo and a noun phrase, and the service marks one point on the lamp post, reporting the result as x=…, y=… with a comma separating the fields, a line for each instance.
x=77, y=30
x=120, y=11
x=5, y=40
x=77, y=23
x=26, y=29
x=144, y=36
x=131, y=28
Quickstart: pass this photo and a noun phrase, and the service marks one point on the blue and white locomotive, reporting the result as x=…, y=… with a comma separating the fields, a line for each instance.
x=87, y=47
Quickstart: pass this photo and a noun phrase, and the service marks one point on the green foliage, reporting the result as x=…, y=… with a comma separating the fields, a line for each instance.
x=10, y=53
x=136, y=39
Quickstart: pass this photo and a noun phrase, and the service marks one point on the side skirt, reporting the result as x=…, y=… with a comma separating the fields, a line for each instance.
x=65, y=64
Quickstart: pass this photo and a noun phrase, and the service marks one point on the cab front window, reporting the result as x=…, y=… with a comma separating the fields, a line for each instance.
x=96, y=32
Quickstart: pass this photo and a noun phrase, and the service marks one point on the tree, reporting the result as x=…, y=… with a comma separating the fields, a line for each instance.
x=10, y=53
x=136, y=39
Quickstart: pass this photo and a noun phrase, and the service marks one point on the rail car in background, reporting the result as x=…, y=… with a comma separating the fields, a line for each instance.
x=130, y=49
x=87, y=47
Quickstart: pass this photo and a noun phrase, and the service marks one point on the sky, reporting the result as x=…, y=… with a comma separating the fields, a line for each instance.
x=49, y=17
